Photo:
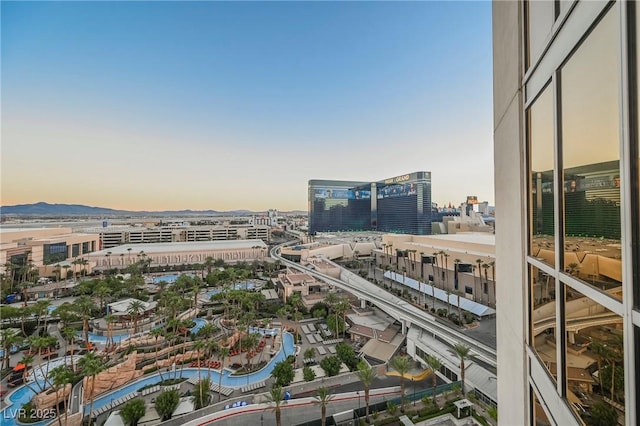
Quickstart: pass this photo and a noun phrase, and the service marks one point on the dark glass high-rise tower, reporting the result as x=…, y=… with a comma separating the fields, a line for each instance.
x=401, y=204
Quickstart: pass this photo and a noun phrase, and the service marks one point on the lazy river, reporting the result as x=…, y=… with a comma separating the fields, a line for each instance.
x=23, y=394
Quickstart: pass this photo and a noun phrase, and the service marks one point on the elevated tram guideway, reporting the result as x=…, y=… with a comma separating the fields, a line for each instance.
x=404, y=312
x=581, y=313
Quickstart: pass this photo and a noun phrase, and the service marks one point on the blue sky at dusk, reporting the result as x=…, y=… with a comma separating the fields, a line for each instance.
x=166, y=105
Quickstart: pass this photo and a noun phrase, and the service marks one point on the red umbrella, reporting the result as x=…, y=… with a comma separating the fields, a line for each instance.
x=20, y=366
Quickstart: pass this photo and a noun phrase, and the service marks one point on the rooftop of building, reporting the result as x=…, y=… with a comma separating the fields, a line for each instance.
x=467, y=237
x=182, y=246
x=296, y=278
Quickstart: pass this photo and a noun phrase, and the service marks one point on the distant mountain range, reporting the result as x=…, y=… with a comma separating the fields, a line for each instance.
x=46, y=209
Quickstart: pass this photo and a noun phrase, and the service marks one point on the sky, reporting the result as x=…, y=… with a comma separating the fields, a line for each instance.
x=237, y=105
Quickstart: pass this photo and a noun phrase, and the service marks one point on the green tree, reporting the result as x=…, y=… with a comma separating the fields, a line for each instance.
x=85, y=307
x=308, y=374
x=347, y=355
x=199, y=346
x=366, y=374
x=310, y=353
x=200, y=394
x=276, y=397
x=331, y=365
x=322, y=398
x=166, y=403
x=435, y=364
x=91, y=365
x=401, y=365
x=335, y=324
x=283, y=373
x=133, y=411
x=8, y=339
x=60, y=377
x=462, y=351
x=602, y=414
x=136, y=309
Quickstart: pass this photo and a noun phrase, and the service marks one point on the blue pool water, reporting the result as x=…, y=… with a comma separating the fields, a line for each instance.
x=23, y=394
x=199, y=324
x=169, y=278
x=95, y=338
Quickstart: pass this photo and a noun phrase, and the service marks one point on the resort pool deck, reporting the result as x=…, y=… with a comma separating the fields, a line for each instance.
x=16, y=399
x=23, y=394
x=227, y=379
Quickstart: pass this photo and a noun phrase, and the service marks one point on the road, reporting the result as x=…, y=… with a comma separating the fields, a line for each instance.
x=294, y=411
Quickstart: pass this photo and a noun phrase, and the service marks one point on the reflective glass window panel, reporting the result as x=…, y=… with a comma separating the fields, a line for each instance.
x=543, y=318
x=591, y=154
x=539, y=416
x=541, y=191
x=594, y=358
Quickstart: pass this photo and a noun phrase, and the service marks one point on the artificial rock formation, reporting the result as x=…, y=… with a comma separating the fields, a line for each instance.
x=112, y=378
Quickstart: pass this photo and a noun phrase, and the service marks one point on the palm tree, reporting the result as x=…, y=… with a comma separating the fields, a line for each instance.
x=251, y=342
x=446, y=266
x=208, y=263
x=57, y=272
x=201, y=393
x=133, y=411
x=323, y=397
x=156, y=333
x=136, y=308
x=60, y=377
x=199, y=346
x=223, y=354
x=27, y=360
x=110, y=320
x=66, y=271
x=435, y=364
x=102, y=292
x=276, y=397
x=478, y=266
x=91, y=365
x=462, y=351
x=84, y=306
x=458, y=294
x=25, y=312
x=8, y=339
x=401, y=365
x=456, y=265
x=434, y=266
x=69, y=334
x=366, y=374
x=41, y=309
x=332, y=301
x=341, y=308
x=166, y=403
x=485, y=266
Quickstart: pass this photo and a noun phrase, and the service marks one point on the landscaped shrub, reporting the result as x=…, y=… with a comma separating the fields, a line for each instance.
x=308, y=374
x=480, y=419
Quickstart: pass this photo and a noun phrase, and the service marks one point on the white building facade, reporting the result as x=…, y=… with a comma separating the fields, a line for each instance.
x=567, y=200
